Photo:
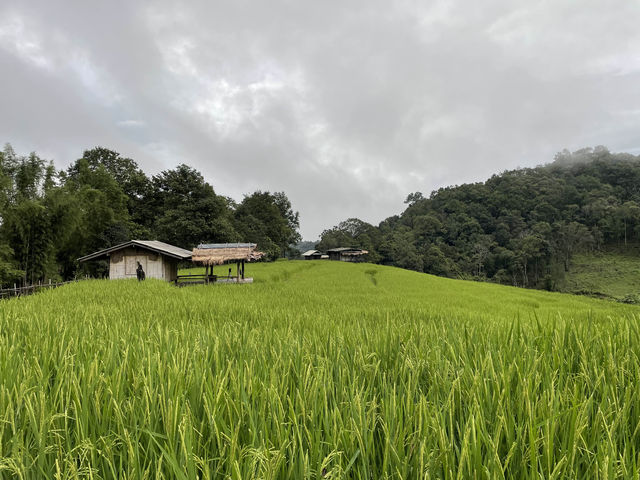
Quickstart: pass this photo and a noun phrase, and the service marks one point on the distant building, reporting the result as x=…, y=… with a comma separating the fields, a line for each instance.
x=347, y=254
x=158, y=259
x=313, y=255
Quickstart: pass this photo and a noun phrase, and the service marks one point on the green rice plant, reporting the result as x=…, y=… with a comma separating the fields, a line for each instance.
x=315, y=371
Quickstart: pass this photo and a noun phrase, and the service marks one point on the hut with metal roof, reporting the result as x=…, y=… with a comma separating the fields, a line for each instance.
x=158, y=259
x=347, y=254
x=313, y=255
x=212, y=254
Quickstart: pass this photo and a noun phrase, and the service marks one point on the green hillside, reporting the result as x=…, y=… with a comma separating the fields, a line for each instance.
x=614, y=273
x=521, y=227
x=318, y=370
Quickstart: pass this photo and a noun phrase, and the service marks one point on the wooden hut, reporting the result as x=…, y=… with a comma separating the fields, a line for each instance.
x=347, y=254
x=158, y=259
x=312, y=255
x=212, y=254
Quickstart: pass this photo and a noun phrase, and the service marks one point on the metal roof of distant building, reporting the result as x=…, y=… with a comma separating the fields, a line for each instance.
x=226, y=245
x=165, y=248
x=311, y=252
x=153, y=245
x=342, y=249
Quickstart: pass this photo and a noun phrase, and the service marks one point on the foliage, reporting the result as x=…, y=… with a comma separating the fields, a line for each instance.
x=268, y=220
x=8, y=272
x=522, y=227
x=99, y=206
x=633, y=298
x=49, y=219
x=186, y=209
x=317, y=370
x=26, y=232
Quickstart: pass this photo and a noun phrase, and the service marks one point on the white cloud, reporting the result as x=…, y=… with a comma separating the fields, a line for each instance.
x=18, y=40
x=347, y=107
x=131, y=123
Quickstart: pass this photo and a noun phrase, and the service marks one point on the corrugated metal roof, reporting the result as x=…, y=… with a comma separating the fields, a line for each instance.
x=165, y=248
x=154, y=245
x=310, y=252
x=225, y=245
x=341, y=249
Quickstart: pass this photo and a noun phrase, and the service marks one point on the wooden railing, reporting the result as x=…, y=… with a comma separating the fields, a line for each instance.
x=193, y=279
x=29, y=289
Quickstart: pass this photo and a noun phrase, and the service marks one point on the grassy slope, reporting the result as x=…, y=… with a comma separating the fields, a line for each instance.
x=614, y=273
x=317, y=370
x=343, y=286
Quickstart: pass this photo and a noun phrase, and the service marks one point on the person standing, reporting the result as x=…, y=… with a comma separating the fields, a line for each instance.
x=140, y=272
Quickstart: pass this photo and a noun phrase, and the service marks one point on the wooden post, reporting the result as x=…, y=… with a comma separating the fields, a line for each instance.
x=243, y=269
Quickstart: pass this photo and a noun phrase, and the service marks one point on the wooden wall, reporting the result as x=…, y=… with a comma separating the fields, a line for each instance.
x=123, y=264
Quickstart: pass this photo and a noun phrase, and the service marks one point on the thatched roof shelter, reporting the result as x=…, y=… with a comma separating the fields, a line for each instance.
x=219, y=253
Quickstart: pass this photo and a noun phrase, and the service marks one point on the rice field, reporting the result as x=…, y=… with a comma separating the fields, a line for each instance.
x=318, y=370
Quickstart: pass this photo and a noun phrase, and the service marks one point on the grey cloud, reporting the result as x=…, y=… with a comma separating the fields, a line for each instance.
x=346, y=106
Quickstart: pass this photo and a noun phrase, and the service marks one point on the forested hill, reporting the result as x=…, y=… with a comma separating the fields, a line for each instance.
x=49, y=218
x=520, y=227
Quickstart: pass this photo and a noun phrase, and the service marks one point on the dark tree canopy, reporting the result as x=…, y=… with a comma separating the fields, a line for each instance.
x=269, y=220
x=50, y=218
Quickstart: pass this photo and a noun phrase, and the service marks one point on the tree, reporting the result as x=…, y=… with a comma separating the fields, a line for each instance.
x=125, y=171
x=26, y=231
x=414, y=198
x=481, y=250
x=187, y=211
x=436, y=262
x=97, y=213
x=132, y=180
x=530, y=249
x=399, y=249
x=268, y=220
x=569, y=238
x=629, y=215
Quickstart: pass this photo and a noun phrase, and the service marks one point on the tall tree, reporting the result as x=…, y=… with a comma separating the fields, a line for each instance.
x=268, y=220
x=98, y=212
x=187, y=210
x=132, y=180
x=26, y=227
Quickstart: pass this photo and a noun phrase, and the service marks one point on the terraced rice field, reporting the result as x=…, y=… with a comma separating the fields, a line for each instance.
x=318, y=370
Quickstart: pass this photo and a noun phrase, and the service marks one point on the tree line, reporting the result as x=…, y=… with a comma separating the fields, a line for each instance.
x=49, y=218
x=521, y=227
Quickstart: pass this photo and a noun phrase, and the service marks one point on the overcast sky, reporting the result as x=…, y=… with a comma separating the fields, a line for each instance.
x=345, y=106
